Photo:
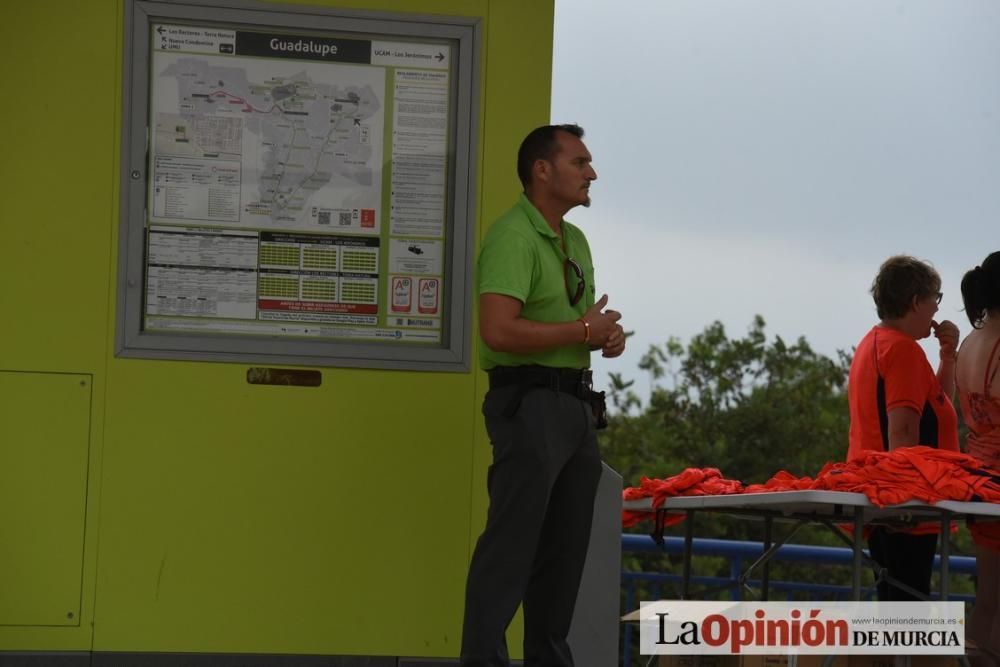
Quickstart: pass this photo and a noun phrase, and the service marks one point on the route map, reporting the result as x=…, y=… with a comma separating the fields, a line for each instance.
x=296, y=152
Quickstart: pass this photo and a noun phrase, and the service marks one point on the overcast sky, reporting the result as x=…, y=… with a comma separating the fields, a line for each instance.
x=765, y=156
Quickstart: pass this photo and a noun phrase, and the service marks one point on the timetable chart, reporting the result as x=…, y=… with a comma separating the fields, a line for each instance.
x=200, y=273
x=318, y=278
x=280, y=255
x=278, y=286
x=319, y=289
x=358, y=290
x=320, y=258
x=360, y=260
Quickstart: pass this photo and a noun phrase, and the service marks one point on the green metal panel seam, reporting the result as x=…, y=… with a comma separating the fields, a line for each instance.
x=118, y=65
x=474, y=343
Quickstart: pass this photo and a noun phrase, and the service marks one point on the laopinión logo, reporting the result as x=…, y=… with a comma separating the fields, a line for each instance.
x=684, y=627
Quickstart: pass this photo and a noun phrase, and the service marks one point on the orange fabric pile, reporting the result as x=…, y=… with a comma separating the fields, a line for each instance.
x=691, y=482
x=782, y=481
x=907, y=473
x=887, y=478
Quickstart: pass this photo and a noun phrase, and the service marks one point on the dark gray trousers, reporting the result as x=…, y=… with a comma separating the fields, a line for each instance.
x=542, y=485
x=909, y=559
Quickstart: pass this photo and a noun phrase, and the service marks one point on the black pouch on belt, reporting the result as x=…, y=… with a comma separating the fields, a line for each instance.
x=599, y=407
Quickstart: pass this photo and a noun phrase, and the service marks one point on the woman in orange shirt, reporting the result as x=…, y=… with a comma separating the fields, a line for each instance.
x=978, y=383
x=897, y=400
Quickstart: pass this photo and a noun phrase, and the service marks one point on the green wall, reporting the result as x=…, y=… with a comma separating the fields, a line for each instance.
x=170, y=506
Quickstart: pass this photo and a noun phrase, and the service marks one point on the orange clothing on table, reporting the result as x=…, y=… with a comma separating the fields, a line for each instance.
x=982, y=415
x=913, y=473
x=690, y=482
x=886, y=478
x=782, y=481
x=889, y=371
x=890, y=478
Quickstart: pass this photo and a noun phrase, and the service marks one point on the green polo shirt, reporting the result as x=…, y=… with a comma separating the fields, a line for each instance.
x=522, y=257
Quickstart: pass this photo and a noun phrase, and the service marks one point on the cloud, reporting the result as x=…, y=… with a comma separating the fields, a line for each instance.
x=765, y=157
x=674, y=283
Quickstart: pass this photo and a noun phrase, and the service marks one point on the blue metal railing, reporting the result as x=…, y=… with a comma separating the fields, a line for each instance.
x=736, y=552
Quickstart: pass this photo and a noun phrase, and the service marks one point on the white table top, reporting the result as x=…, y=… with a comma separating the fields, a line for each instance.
x=832, y=503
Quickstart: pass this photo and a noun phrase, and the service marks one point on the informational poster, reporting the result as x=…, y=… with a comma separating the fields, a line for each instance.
x=297, y=185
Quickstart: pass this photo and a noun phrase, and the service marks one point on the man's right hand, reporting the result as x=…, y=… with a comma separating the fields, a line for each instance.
x=602, y=322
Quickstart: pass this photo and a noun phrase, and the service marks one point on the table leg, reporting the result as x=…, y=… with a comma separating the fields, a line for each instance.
x=765, y=575
x=963, y=659
x=856, y=575
x=945, y=553
x=688, y=544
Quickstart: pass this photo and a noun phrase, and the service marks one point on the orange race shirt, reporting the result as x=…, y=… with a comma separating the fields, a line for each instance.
x=890, y=370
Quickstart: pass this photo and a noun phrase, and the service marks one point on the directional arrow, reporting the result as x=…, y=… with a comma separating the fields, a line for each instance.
x=160, y=29
x=439, y=56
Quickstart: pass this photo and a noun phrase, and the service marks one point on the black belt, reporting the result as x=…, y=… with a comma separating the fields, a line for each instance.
x=575, y=381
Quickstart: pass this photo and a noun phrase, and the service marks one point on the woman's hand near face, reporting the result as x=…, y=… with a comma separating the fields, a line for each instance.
x=947, y=334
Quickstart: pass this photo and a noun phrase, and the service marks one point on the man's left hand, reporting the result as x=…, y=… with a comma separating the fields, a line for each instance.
x=615, y=344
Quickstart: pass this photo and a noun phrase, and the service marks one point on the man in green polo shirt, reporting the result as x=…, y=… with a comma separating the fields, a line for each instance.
x=539, y=322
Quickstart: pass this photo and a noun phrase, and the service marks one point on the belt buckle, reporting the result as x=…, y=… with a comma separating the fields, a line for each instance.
x=587, y=379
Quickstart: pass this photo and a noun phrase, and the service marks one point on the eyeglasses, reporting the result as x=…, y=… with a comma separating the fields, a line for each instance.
x=576, y=293
x=937, y=297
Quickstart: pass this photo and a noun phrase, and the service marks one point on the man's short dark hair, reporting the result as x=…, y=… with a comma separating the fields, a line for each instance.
x=899, y=280
x=541, y=144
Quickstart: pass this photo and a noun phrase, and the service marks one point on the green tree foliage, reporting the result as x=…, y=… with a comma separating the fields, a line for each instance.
x=747, y=406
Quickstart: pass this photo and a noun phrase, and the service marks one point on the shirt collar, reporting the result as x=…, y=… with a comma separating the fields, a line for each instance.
x=537, y=221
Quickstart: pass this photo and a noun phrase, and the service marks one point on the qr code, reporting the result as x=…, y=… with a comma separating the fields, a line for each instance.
x=323, y=218
x=345, y=218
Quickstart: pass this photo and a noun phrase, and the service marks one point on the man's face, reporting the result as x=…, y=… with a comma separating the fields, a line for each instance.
x=570, y=172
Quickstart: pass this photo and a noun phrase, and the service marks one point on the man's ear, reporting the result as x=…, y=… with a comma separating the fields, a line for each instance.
x=915, y=303
x=542, y=170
